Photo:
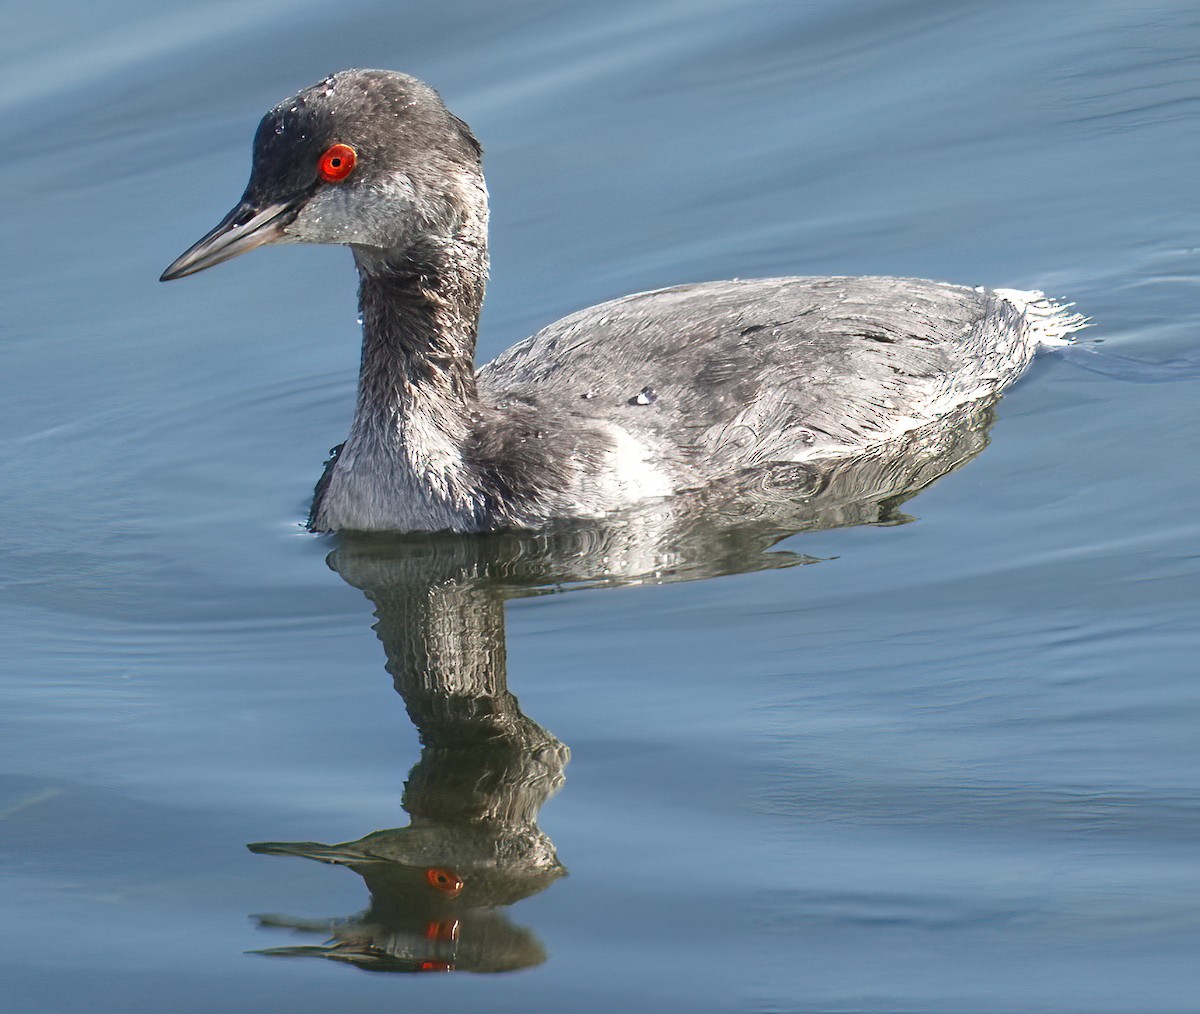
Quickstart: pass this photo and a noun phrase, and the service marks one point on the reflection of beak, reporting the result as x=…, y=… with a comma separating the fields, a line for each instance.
x=244, y=228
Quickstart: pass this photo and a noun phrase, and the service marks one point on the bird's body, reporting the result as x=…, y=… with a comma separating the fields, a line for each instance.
x=647, y=396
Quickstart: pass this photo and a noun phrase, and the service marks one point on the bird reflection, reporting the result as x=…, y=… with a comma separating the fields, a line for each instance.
x=473, y=845
x=439, y=887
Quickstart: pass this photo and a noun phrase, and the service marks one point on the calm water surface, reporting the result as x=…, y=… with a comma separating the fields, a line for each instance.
x=949, y=764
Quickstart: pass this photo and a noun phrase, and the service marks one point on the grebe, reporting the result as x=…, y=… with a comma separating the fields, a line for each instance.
x=646, y=396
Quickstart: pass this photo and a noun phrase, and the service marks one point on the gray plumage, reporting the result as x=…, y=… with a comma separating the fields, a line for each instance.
x=643, y=397
x=746, y=373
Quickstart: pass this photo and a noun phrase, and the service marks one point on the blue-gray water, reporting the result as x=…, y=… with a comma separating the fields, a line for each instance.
x=951, y=765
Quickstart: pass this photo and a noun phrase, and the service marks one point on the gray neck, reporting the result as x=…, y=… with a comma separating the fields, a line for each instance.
x=402, y=467
x=420, y=314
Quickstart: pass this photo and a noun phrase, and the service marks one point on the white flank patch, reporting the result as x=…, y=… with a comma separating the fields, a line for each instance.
x=631, y=469
x=1050, y=322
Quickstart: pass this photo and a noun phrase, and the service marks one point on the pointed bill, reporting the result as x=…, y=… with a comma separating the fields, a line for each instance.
x=247, y=226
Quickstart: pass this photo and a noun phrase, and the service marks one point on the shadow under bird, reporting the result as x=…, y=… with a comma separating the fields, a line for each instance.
x=640, y=399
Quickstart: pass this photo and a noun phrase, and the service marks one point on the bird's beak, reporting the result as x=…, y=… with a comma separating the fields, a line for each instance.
x=247, y=226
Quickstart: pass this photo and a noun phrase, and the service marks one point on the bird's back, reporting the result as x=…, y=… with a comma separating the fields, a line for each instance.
x=717, y=377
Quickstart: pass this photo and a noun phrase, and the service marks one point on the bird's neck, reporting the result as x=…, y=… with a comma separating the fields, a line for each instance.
x=404, y=464
x=420, y=317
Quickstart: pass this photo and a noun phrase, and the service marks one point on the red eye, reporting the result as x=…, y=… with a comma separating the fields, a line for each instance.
x=446, y=881
x=337, y=163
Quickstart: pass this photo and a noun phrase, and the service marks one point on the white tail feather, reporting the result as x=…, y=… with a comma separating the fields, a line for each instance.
x=1051, y=322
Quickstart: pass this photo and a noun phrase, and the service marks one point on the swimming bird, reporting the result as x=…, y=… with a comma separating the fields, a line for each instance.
x=647, y=396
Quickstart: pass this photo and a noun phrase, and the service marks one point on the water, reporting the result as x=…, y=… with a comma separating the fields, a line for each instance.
x=949, y=764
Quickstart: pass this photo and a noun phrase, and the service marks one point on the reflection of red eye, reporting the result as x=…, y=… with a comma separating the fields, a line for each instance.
x=446, y=881
x=437, y=966
x=442, y=930
x=337, y=163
